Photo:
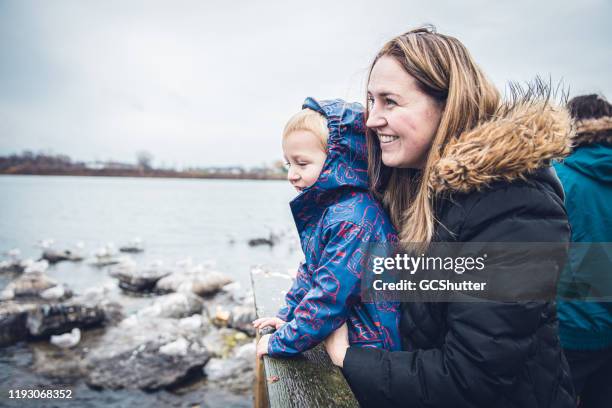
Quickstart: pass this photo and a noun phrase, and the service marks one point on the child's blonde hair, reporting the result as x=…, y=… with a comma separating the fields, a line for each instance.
x=310, y=121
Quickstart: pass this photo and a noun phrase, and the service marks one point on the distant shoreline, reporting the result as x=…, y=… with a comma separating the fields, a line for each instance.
x=147, y=174
x=44, y=164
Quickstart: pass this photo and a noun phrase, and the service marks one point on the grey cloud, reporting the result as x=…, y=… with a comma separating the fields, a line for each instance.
x=203, y=84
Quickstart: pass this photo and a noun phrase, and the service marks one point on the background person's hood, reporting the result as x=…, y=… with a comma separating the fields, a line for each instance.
x=593, y=149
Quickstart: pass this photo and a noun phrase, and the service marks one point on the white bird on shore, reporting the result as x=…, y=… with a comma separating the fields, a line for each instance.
x=39, y=266
x=197, y=269
x=54, y=293
x=193, y=322
x=25, y=263
x=7, y=294
x=46, y=243
x=106, y=251
x=105, y=255
x=99, y=291
x=176, y=348
x=67, y=340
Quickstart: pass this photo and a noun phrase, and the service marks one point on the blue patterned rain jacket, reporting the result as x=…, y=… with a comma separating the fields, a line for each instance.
x=334, y=218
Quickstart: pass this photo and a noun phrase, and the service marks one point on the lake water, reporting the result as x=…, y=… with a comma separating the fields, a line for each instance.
x=206, y=220
x=176, y=218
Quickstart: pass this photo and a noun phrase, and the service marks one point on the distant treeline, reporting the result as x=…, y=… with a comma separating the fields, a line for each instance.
x=60, y=164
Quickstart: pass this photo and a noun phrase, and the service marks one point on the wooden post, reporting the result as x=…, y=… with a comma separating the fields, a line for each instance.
x=260, y=390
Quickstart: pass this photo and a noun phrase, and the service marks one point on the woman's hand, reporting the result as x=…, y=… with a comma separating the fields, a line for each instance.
x=268, y=321
x=262, y=346
x=336, y=345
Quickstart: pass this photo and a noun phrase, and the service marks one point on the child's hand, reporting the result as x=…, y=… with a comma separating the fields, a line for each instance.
x=262, y=346
x=268, y=321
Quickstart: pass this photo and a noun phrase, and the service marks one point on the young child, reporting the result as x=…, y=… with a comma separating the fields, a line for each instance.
x=325, y=148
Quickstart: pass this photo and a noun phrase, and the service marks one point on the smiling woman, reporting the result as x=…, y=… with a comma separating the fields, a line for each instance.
x=451, y=162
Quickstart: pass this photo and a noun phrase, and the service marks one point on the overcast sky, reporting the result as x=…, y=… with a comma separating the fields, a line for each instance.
x=198, y=84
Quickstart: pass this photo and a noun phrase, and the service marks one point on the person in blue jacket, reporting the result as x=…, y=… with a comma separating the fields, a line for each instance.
x=585, y=327
x=336, y=217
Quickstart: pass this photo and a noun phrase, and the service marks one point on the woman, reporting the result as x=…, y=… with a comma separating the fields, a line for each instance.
x=452, y=163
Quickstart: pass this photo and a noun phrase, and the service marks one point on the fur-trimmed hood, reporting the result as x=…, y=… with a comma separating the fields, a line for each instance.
x=522, y=137
x=589, y=131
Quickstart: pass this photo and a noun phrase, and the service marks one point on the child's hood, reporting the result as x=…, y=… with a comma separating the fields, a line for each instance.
x=346, y=163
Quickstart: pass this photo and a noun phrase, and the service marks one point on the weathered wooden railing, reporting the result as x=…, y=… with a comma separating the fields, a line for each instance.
x=309, y=380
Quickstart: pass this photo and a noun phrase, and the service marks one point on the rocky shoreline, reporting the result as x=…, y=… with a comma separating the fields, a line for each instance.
x=196, y=324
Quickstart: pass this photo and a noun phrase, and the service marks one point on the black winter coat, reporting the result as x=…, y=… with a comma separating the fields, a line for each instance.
x=493, y=354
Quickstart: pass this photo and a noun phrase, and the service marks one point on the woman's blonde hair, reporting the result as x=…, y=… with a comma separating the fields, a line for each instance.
x=311, y=121
x=444, y=70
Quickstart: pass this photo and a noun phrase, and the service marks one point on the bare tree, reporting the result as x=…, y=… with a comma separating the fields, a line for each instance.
x=144, y=160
